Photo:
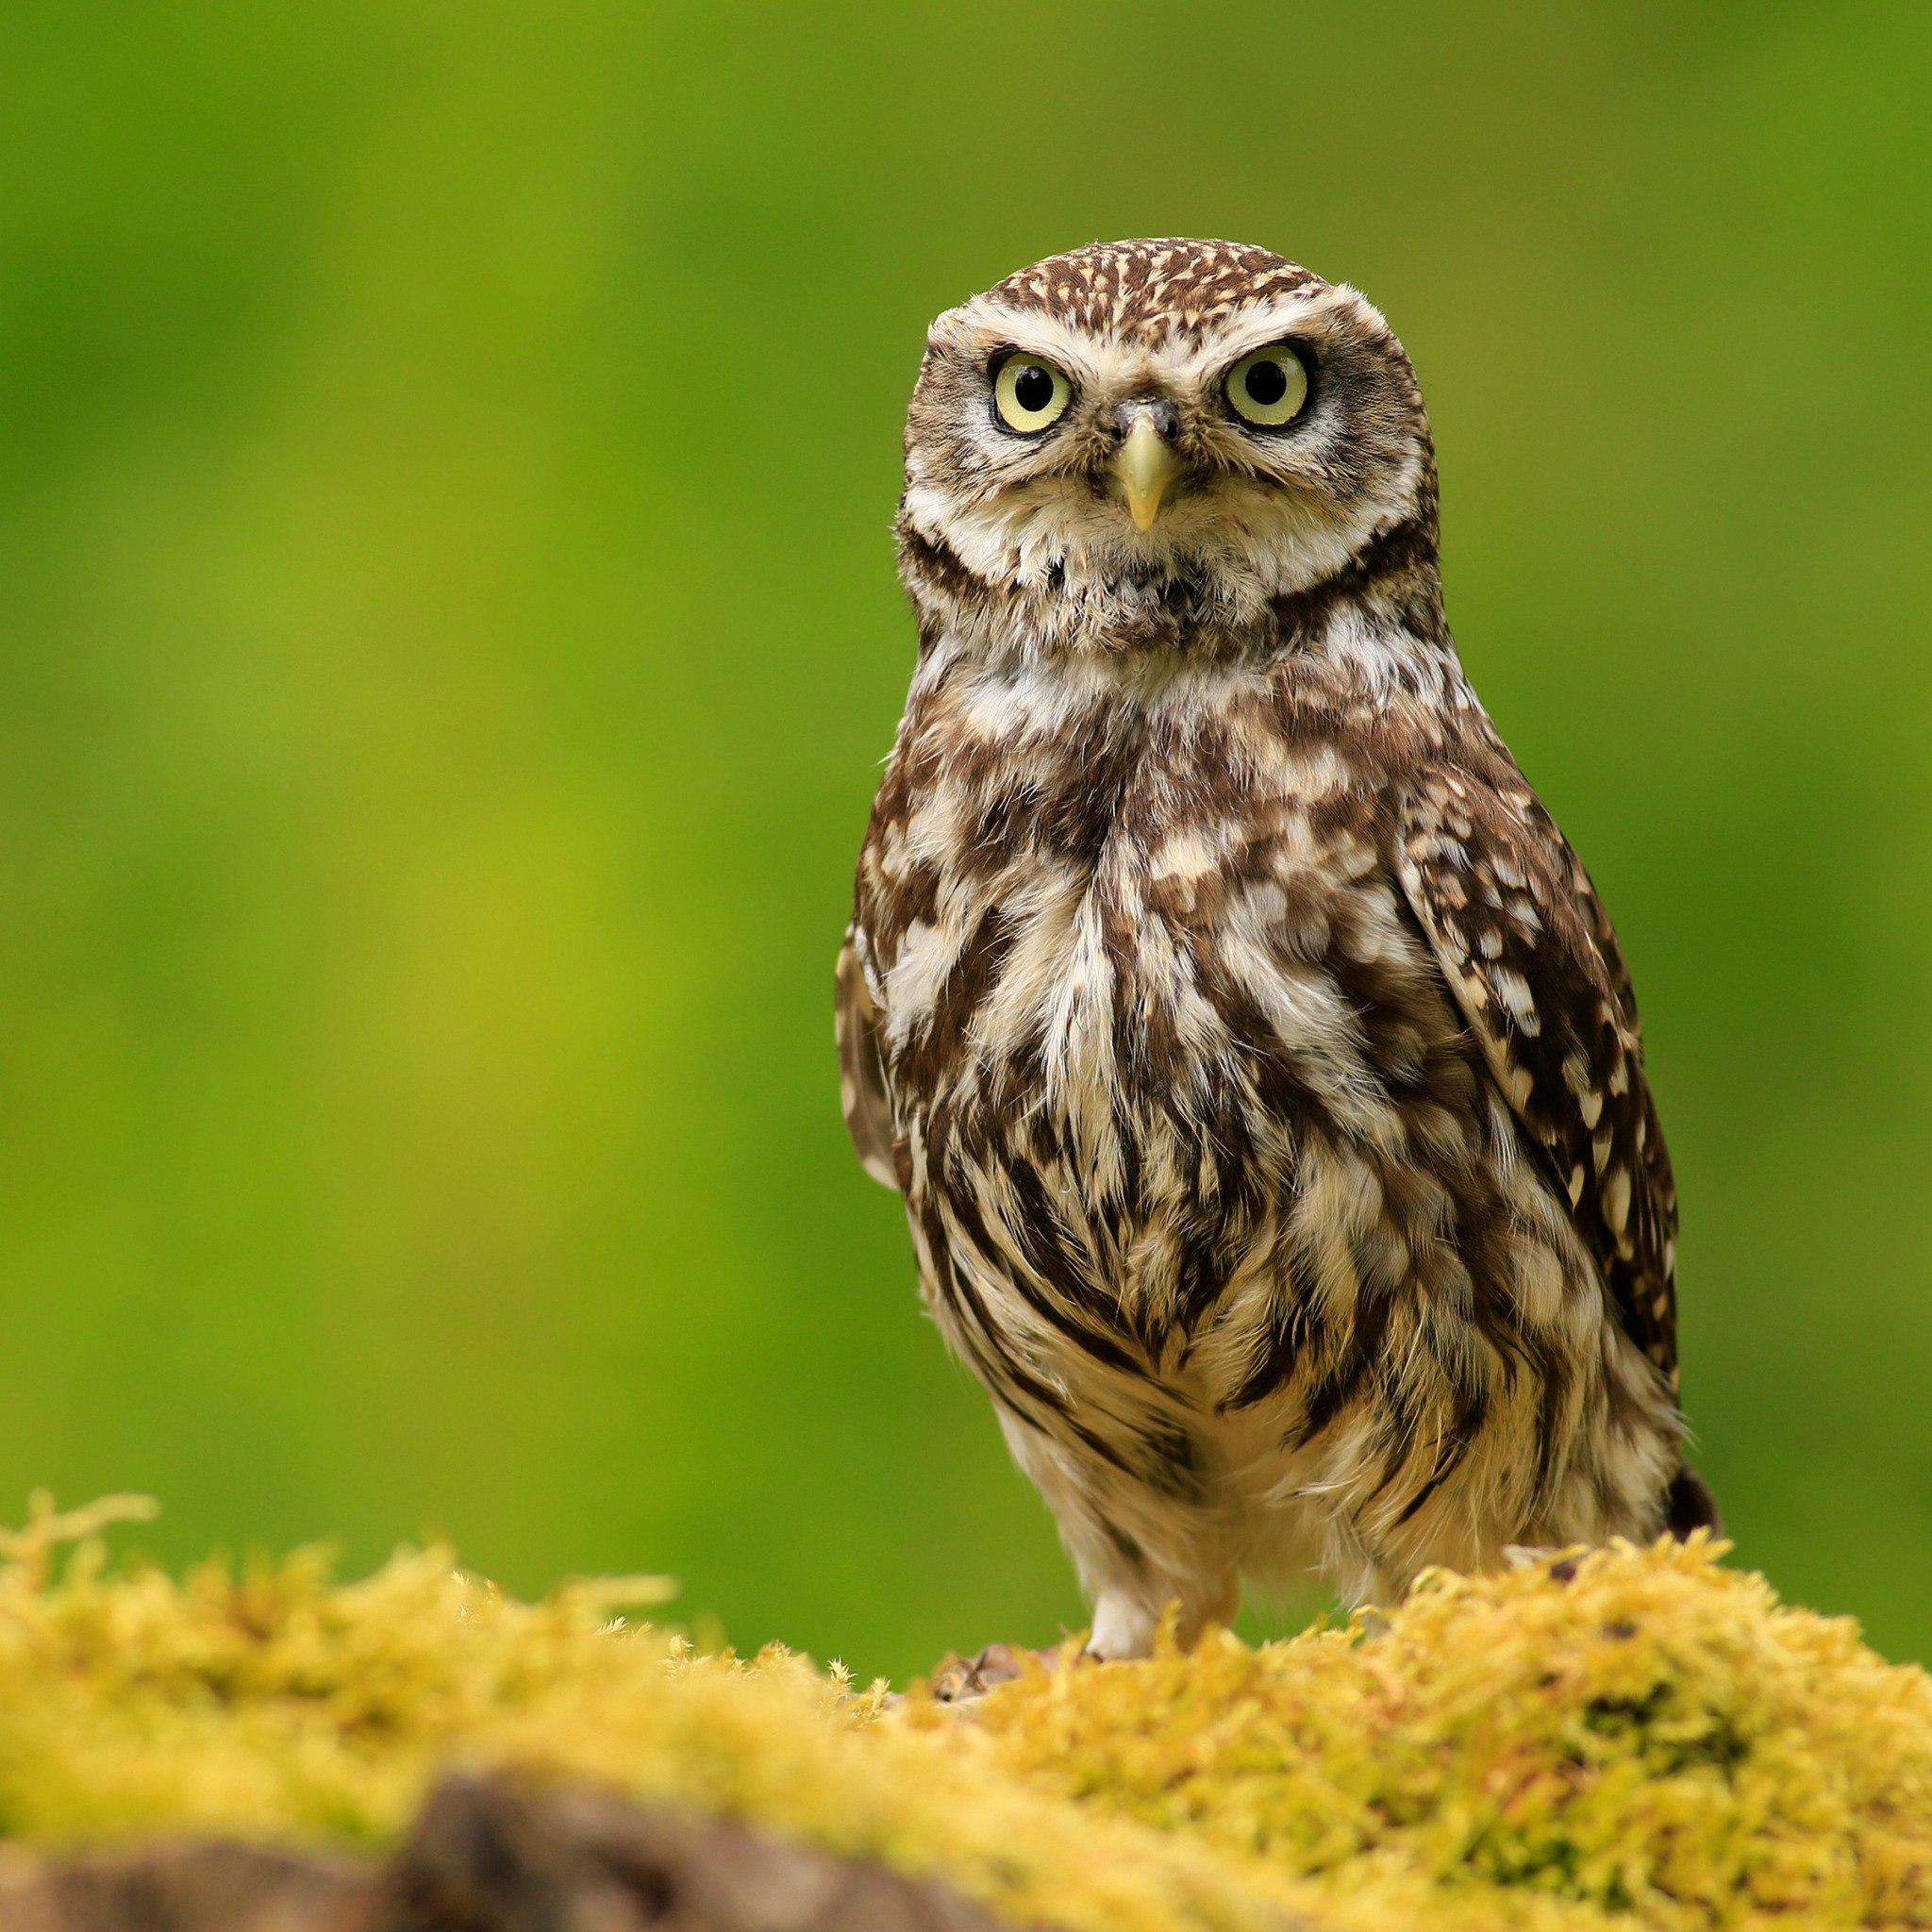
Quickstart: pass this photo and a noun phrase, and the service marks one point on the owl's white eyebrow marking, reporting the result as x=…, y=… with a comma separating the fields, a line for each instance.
x=1101, y=357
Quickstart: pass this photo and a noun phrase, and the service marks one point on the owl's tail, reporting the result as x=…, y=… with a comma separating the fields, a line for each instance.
x=1688, y=1505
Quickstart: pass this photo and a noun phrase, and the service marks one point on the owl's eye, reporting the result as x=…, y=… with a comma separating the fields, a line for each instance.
x=1268, y=388
x=1029, y=394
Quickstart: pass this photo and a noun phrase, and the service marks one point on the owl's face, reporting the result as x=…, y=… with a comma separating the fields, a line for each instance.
x=1138, y=422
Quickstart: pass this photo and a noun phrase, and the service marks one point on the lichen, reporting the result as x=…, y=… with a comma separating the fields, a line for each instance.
x=1641, y=1733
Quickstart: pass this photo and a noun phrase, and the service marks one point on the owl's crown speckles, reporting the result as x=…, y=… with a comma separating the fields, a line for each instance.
x=1152, y=290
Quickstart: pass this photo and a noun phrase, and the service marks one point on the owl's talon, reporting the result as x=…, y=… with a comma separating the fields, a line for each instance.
x=957, y=1679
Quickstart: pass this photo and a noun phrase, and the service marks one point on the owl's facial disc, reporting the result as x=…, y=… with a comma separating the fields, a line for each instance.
x=1093, y=448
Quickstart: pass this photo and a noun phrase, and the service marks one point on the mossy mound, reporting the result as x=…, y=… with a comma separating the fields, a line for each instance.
x=1639, y=1730
x=1631, y=1732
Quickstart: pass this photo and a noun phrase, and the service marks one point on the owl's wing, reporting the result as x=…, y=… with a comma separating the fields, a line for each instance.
x=1529, y=952
x=862, y=1071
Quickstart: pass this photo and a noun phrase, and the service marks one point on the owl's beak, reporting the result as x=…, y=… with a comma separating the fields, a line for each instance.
x=1146, y=465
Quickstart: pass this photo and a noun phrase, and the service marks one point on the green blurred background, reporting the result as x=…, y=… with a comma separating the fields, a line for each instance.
x=447, y=634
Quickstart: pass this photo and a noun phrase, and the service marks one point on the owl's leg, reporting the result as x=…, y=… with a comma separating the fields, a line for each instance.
x=1122, y=1625
x=1125, y=1618
x=1127, y=1612
x=1137, y=1552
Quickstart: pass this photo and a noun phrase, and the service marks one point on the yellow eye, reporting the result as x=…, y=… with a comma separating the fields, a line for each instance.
x=1030, y=395
x=1269, y=387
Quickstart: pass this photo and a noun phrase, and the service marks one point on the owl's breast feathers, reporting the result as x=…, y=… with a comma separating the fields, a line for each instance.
x=1254, y=1035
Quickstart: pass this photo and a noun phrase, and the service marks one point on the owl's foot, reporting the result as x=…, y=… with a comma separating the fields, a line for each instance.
x=960, y=1679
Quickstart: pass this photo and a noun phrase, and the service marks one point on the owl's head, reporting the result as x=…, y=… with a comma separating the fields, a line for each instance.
x=1155, y=442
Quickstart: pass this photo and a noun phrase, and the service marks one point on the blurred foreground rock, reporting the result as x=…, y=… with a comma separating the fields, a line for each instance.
x=490, y=1855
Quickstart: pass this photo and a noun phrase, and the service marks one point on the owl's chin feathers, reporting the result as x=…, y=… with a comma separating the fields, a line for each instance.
x=1230, y=584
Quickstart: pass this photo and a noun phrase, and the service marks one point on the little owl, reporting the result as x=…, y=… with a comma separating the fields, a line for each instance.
x=1258, y=1064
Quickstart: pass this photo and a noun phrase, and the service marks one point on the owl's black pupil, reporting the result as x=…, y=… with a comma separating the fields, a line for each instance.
x=1033, y=388
x=1267, y=382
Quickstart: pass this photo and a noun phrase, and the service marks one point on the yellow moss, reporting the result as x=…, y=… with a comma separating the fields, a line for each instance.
x=1639, y=1732
x=1643, y=1730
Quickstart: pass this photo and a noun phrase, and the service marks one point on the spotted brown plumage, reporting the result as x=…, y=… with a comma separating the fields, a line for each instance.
x=1151, y=290
x=1256, y=1062
x=1529, y=954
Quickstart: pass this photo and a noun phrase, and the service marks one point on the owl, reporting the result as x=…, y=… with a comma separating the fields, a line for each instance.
x=1255, y=1060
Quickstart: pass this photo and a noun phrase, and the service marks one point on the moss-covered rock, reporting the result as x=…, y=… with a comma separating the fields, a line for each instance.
x=1632, y=1732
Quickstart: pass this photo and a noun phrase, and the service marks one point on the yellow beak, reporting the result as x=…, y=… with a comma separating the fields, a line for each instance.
x=1146, y=465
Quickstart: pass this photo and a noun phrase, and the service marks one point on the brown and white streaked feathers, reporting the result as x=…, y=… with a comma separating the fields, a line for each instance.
x=1534, y=965
x=1255, y=1060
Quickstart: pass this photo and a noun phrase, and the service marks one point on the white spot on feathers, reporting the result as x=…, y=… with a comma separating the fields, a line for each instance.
x=1616, y=1200
x=1513, y=990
